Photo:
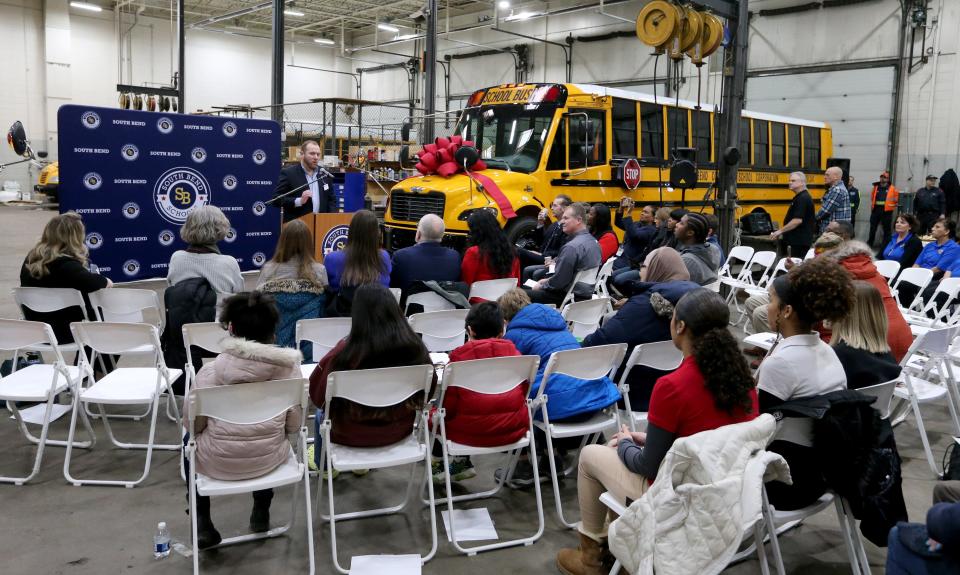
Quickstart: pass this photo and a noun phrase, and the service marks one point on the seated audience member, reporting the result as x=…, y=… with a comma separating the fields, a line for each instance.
x=540, y=330
x=636, y=236
x=427, y=259
x=361, y=262
x=581, y=252
x=664, y=228
x=801, y=365
x=205, y=226
x=937, y=256
x=60, y=260
x=598, y=222
x=701, y=258
x=842, y=228
x=856, y=257
x=549, y=236
x=905, y=245
x=676, y=215
x=710, y=389
x=860, y=340
x=930, y=549
x=295, y=280
x=379, y=337
x=490, y=255
x=645, y=317
x=713, y=226
x=230, y=451
x=478, y=419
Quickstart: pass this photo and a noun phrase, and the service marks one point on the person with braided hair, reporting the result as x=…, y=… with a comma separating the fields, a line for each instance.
x=801, y=365
x=711, y=388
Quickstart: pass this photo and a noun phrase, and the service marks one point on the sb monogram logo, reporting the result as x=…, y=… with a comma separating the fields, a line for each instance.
x=181, y=195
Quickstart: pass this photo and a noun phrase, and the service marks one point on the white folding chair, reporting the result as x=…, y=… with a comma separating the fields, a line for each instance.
x=397, y=292
x=935, y=312
x=778, y=522
x=123, y=386
x=585, y=363
x=761, y=262
x=884, y=394
x=490, y=290
x=441, y=330
x=659, y=355
x=600, y=289
x=738, y=254
x=926, y=361
x=888, y=269
x=209, y=337
x=46, y=300
x=378, y=388
x=429, y=300
x=919, y=277
x=587, y=276
x=249, y=404
x=811, y=253
x=39, y=383
x=489, y=377
x=324, y=333
x=583, y=317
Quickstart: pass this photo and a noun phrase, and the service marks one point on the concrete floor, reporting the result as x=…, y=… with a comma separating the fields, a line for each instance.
x=51, y=527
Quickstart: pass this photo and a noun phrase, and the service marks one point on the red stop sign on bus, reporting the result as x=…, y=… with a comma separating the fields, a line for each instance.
x=631, y=173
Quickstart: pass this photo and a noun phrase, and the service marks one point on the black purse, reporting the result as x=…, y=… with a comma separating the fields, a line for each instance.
x=951, y=462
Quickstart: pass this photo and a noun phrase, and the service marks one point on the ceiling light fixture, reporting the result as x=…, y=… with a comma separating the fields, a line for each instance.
x=293, y=13
x=525, y=15
x=503, y=4
x=86, y=6
x=328, y=41
x=387, y=27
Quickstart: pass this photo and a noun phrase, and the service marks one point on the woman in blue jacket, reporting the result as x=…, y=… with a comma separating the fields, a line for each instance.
x=536, y=329
x=931, y=549
x=645, y=317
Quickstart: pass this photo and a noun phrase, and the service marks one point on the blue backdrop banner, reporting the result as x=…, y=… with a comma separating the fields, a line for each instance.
x=135, y=176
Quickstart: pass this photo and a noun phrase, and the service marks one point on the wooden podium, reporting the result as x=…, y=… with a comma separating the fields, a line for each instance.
x=329, y=232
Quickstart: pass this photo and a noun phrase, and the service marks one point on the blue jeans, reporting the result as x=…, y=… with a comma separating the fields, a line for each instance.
x=907, y=553
x=317, y=438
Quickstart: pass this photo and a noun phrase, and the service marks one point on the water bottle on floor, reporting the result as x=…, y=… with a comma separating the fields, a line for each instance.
x=161, y=541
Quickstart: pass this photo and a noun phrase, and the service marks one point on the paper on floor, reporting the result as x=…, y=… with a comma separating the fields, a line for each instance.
x=380, y=564
x=35, y=414
x=471, y=524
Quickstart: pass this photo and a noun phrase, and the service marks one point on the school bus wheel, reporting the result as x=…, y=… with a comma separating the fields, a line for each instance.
x=520, y=228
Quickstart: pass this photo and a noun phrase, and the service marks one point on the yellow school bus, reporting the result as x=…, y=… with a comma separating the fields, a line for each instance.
x=540, y=140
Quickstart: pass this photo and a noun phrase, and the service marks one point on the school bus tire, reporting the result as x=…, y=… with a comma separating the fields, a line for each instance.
x=520, y=227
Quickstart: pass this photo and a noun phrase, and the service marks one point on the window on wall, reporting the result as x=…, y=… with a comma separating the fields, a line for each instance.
x=793, y=146
x=745, y=142
x=811, y=148
x=701, y=136
x=778, y=143
x=651, y=126
x=624, y=127
x=677, y=128
x=587, y=138
x=761, y=139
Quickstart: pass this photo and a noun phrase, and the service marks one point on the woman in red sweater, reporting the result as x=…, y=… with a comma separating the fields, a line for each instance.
x=490, y=255
x=598, y=220
x=478, y=419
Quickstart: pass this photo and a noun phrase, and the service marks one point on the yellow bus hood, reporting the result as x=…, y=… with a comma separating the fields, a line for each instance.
x=461, y=194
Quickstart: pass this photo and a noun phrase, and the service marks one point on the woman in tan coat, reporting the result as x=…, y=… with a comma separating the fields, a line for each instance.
x=233, y=452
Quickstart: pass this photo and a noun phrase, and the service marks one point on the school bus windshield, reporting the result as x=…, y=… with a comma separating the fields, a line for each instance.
x=508, y=137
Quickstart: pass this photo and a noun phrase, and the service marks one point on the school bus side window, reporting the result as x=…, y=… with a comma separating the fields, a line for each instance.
x=587, y=138
x=677, y=128
x=761, y=153
x=793, y=146
x=811, y=148
x=745, y=142
x=701, y=136
x=624, y=128
x=651, y=118
x=778, y=137
x=558, y=149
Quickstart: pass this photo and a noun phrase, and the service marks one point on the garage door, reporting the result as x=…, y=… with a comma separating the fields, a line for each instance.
x=856, y=104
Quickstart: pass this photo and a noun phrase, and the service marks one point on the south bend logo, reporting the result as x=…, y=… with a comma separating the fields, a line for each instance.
x=93, y=241
x=229, y=129
x=198, y=155
x=90, y=120
x=165, y=125
x=92, y=181
x=259, y=157
x=335, y=239
x=165, y=238
x=178, y=191
x=230, y=182
x=129, y=152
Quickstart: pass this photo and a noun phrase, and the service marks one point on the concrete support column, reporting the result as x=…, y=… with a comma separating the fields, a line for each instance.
x=57, y=62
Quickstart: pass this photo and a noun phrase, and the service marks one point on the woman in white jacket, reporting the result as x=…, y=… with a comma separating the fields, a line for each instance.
x=711, y=388
x=230, y=451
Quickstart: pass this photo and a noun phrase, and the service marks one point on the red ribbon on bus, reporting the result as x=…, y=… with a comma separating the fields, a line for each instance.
x=440, y=158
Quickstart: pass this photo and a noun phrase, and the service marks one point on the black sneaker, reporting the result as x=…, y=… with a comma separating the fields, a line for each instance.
x=207, y=534
x=260, y=518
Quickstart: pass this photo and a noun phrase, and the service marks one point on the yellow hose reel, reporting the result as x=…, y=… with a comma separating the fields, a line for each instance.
x=679, y=31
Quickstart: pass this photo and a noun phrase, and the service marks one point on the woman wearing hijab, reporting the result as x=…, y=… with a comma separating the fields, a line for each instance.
x=645, y=317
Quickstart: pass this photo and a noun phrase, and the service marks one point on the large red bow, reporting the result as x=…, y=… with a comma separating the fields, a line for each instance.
x=440, y=157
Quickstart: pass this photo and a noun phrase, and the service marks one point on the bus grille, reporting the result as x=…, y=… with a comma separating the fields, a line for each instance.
x=408, y=207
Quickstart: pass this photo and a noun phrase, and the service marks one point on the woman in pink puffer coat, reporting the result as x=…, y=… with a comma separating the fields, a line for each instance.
x=229, y=451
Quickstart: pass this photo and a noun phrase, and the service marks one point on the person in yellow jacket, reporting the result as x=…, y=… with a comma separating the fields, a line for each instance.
x=883, y=202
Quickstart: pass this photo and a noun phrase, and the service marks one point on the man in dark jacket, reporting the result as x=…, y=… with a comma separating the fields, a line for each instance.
x=318, y=197
x=929, y=205
x=636, y=236
x=192, y=300
x=950, y=185
x=427, y=259
x=550, y=237
x=854, y=201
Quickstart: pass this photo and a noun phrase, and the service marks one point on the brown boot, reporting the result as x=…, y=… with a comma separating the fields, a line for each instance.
x=585, y=560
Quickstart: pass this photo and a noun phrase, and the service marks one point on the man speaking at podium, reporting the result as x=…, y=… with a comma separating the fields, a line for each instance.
x=317, y=195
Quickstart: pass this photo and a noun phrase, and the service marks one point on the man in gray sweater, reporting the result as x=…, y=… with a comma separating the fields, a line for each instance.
x=581, y=252
x=701, y=258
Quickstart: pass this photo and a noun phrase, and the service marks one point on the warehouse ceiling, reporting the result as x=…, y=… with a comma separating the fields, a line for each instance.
x=306, y=18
